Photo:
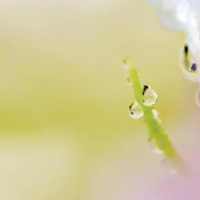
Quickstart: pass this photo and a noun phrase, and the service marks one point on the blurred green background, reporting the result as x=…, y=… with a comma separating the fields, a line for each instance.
x=65, y=131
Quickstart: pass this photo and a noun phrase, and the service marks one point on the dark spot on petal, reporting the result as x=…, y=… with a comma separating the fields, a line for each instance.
x=186, y=48
x=193, y=67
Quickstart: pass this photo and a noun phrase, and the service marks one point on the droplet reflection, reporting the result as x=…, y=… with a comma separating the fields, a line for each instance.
x=149, y=96
x=135, y=111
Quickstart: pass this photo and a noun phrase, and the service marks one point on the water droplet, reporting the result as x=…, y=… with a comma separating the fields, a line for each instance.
x=149, y=96
x=168, y=166
x=158, y=151
x=154, y=147
x=129, y=82
x=124, y=65
x=135, y=110
x=156, y=113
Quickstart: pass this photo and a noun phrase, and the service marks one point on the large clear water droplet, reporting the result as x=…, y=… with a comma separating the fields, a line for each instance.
x=149, y=96
x=135, y=110
x=168, y=166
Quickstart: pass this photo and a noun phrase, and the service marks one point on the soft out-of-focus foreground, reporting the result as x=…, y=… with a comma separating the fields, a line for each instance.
x=65, y=131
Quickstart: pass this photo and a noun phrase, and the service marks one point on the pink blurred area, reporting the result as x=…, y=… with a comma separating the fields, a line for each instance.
x=143, y=176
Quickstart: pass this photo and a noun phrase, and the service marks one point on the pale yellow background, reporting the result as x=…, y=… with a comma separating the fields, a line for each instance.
x=65, y=131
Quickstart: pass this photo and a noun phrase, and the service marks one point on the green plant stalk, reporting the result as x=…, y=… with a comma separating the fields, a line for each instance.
x=155, y=130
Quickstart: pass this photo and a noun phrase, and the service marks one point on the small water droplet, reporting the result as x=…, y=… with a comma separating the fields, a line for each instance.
x=124, y=65
x=129, y=82
x=156, y=113
x=135, y=110
x=157, y=151
x=154, y=147
x=149, y=96
x=168, y=166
